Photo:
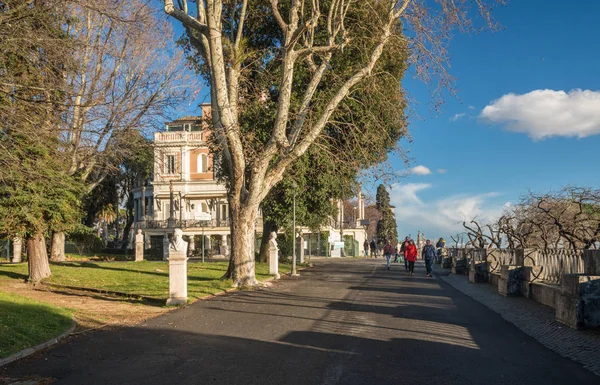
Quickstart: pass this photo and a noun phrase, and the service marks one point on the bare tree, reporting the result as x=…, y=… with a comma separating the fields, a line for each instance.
x=127, y=78
x=313, y=34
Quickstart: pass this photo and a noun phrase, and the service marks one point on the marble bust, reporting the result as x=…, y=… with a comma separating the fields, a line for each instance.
x=178, y=245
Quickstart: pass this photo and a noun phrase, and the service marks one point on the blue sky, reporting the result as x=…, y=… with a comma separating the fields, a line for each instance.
x=533, y=140
x=538, y=133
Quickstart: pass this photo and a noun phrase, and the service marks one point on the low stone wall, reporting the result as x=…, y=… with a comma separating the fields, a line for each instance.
x=494, y=278
x=542, y=293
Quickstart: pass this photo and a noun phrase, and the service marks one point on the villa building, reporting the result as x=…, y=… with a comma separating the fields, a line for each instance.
x=183, y=192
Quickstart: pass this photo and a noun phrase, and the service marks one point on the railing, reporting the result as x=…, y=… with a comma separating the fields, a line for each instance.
x=183, y=224
x=177, y=136
x=556, y=262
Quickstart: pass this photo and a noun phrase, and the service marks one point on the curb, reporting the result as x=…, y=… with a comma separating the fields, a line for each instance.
x=29, y=351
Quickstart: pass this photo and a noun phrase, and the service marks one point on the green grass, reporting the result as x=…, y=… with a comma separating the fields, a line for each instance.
x=25, y=323
x=148, y=279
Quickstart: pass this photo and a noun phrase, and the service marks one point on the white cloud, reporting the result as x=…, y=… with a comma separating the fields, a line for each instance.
x=417, y=170
x=457, y=116
x=442, y=216
x=471, y=107
x=546, y=113
x=441, y=171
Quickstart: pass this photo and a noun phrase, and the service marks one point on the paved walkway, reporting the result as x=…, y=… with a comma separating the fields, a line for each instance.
x=537, y=321
x=342, y=322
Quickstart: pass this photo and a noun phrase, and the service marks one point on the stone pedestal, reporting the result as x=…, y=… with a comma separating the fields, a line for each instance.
x=578, y=303
x=17, y=250
x=511, y=278
x=177, y=270
x=139, y=246
x=224, y=250
x=478, y=272
x=459, y=265
x=300, y=249
x=165, y=247
x=191, y=246
x=273, y=256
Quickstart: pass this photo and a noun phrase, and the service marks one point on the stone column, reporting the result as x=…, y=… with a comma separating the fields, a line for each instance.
x=273, y=255
x=166, y=247
x=177, y=252
x=224, y=249
x=192, y=245
x=300, y=249
x=591, y=262
x=17, y=250
x=139, y=246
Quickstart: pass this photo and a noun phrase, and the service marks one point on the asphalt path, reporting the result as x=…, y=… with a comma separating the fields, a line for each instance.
x=341, y=322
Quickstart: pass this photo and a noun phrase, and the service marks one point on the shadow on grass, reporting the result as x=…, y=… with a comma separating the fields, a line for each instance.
x=12, y=274
x=25, y=323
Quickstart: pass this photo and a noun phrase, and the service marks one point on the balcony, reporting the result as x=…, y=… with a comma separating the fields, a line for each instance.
x=177, y=136
x=183, y=224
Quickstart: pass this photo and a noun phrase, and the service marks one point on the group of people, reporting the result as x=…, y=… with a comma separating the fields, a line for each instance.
x=408, y=252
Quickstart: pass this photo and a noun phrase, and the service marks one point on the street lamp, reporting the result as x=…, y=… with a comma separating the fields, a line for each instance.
x=294, y=273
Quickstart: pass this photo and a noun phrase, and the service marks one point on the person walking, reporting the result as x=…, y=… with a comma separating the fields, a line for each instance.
x=373, y=249
x=366, y=248
x=403, y=251
x=411, y=256
x=388, y=250
x=441, y=243
x=429, y=254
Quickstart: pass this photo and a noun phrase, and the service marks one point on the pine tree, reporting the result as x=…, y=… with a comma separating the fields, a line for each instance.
x=386, y=226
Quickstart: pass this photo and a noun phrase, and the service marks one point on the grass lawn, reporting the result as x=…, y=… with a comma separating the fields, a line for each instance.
x=25, y=323
x=149, y=279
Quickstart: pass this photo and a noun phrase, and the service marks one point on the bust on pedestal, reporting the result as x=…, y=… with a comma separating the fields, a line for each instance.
x=139, y=246
x=177, y=270
x=273, y=255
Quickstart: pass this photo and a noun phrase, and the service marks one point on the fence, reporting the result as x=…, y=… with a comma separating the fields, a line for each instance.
x=553, y=263
x=556, y=262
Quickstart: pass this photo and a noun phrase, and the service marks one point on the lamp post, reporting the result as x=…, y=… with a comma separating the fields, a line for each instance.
x=294, y=273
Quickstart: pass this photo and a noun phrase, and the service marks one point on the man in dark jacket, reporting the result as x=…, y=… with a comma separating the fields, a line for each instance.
x=373, y=249
x=429, y=255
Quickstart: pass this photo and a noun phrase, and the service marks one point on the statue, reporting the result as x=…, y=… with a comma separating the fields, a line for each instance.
x=273, y=239
x=177, y=243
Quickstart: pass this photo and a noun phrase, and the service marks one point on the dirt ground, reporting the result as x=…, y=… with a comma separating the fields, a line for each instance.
x=91, y=310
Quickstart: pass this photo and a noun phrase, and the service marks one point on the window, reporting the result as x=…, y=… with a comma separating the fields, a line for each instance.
x=170, y=164
x=204, y=208
x=202, y=163
x=175, y=128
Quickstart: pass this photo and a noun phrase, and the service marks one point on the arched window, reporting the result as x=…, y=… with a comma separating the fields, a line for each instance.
x=204, y=208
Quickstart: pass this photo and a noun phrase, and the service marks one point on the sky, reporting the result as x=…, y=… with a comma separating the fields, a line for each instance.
x=526, y=118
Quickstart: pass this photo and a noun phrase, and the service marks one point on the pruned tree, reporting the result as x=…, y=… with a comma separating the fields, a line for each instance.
x=315, y=35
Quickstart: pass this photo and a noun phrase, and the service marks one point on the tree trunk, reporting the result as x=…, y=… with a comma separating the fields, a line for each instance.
x=39, y=268
x=57, y=253
x=268, y=227
x=241, y=262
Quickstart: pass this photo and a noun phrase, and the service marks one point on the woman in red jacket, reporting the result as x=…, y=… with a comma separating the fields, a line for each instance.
x=411, y=256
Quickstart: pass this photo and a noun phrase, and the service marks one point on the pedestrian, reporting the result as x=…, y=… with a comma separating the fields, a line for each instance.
x=366, y=248
x=373, y=249
x=403, y=251
x=429, y=255
x=387, y=252
x=396, y=254
x=411, y=256
x=441, y=243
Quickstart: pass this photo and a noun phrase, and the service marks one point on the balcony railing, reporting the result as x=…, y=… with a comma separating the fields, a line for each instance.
x=177, y=136
x=183, y=224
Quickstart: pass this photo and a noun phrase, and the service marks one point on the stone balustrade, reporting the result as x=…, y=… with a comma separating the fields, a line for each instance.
x=556, y=262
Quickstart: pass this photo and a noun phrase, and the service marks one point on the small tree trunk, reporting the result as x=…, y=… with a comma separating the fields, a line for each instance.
x=241, y=262
x=57, y=253
x=39, y=268
x=268, y=227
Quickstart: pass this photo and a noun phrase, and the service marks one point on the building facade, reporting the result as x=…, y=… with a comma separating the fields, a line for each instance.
x=183, y=192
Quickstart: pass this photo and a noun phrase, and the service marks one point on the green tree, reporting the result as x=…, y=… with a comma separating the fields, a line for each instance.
x=386, y=227
x=36, y=194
